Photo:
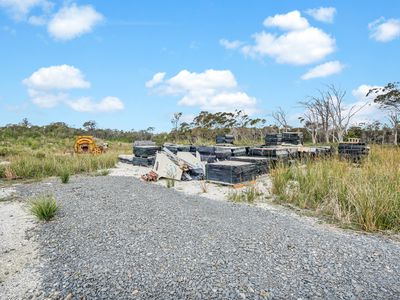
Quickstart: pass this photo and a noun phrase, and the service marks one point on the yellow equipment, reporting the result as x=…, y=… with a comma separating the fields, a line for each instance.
x=86, y=144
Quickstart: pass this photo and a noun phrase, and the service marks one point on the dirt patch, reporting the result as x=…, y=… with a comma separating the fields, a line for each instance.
x=18, y=250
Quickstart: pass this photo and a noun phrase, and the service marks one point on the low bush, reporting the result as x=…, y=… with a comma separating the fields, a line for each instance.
x=44, y=207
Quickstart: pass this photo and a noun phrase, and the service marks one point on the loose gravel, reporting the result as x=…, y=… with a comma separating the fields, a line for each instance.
x=119, y=238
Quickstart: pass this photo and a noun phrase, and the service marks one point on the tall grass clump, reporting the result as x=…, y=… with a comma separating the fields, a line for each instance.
x=366, y=196
x=64, y=176
x=44, y=207
x=33, y=167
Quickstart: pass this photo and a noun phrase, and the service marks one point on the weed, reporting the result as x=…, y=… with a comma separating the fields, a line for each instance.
x=249, y=195
x=170, y=183
x=44, y=207
x=64, y=176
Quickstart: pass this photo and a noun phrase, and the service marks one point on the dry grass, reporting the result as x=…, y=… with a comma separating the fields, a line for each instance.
x=53, y=158
x=365, y=196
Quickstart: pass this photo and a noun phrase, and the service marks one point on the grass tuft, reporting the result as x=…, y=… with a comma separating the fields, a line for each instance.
x=44, y=207
x=249, y=195
x=65, y=176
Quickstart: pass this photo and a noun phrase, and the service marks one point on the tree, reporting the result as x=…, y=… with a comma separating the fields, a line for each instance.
x=280, y=117
x=25, y=123
x=175, y=123
x=90, y=125
x=388, y=97
x=310, y=121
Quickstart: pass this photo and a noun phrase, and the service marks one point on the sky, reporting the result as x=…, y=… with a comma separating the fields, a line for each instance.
x=132, y=64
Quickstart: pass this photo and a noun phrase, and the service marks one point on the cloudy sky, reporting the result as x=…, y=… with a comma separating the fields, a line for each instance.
x=132, y=64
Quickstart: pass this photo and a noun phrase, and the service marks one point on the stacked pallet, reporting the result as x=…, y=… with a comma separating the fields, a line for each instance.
x=177, y=148
x=144, y=153
x=272, y=139
x=231, y=172
x=262, y=163
x=353, y=151
x=292, y=138
x=225, y=139
x=270, y=152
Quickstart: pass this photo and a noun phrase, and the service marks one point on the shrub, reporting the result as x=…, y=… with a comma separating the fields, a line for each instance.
x=44, y=207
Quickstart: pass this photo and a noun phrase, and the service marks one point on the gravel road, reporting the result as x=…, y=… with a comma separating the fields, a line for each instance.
x=119, y=238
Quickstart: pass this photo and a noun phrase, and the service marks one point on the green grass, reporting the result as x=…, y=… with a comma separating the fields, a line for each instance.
x=170, y=183
x=64, y=176
x=44, y=207
x=249, y=195
x=365, y=196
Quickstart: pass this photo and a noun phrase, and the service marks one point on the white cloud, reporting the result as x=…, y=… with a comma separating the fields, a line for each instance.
x=302, y=44
x=368, y=113
x=213, y=90
x=384, y=31
x=300, y=47
x=230, y=44
x=86, y=104
x=73, y=21
x=324, y=70
x=37, y=20
x=19, y=9
x=60, y=77
x=46, y=99
x=157, y=78
x=47, y=88
x=323, y=14
x=290, y=21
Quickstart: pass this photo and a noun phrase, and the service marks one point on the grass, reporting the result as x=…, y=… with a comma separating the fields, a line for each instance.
x=37, y=159
x=170, y=183
x=249, y=195
x=365, y=196
x=64, y=176
x=44, y=207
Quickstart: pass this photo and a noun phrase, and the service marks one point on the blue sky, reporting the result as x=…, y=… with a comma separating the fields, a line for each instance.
x=132, y=64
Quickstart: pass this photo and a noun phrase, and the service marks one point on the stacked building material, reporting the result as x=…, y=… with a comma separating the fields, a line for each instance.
x=262, y=163
x=177, y=148
x=271, y=152
x=272, y=139
x=125, y=158
x=144, y=153
x=225, y=139
x=143, y=161
x=353, y=151
x=231, y=172
x=223, y=153
x=292, y=138
x=206, y=150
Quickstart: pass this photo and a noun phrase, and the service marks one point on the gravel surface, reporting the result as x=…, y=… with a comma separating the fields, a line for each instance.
x=119, y=238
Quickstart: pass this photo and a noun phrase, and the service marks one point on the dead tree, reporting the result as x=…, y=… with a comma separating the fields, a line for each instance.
x=310, y=120
x=340, y=114
x=320, y=108
x=280, y=117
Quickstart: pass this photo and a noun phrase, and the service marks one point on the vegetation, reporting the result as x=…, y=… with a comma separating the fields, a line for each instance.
x=248, y=195
x=170, y=183
x=64, y=176
x=44, y=207
x=365, y=196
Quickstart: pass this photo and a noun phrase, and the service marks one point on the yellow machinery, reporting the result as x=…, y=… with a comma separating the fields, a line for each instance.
x=86, y=144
